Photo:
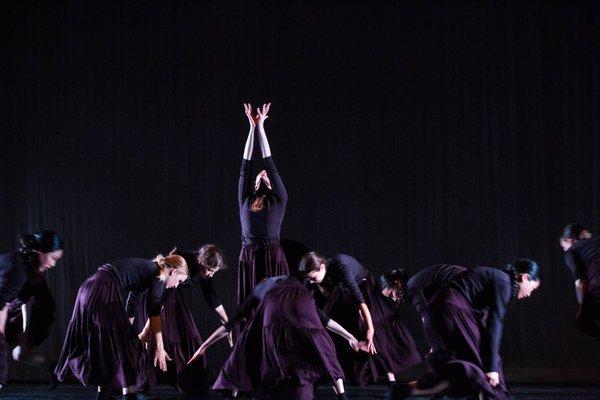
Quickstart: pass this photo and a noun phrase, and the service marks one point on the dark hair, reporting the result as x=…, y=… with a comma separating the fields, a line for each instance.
x=43, y=241
x=523, y=266
x=572, y=231
x=389, y=277
x=211, y=257
x=310, y=262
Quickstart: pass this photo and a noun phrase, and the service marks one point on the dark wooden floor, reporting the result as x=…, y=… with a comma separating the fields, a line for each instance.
x=519, y=392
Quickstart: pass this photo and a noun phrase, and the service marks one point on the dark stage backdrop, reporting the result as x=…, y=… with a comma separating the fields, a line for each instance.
x=407, y=134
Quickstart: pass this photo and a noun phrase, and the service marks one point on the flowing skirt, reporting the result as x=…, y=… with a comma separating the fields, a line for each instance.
x=181, y=339
x=101, y=347
x=283, y=350
x=395, y=345
x=457, y=332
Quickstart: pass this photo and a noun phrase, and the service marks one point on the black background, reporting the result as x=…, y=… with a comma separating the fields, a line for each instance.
x=406, y=133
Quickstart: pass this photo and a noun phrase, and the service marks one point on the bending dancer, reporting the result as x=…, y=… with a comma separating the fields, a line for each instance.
x=181, y=337
x=345, y=287
x=421, y=287
x=284, y=348
x=582, y=256
x=465, y=343
x=27, y=304
x=262, y=205
x=101, y=346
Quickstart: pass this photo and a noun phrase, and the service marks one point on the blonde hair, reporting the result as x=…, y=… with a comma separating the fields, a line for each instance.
x=171, y=261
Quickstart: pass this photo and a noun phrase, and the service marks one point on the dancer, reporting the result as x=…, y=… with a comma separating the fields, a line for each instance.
x=181, y=337
x=101, y=346
x=284, y=349
x=28, y=305
x=343, y=287
x=466, y=344
x=421, y=287
x=262, y=205
x=582, y=256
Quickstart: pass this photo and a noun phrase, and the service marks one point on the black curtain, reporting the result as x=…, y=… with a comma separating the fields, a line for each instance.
x=407, y=134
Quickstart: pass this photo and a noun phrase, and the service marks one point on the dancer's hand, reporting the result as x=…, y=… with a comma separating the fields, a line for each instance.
x=230, y=339
x=199, y=353
x=160, y=358
x=354, y=344
x=370, y=342
x=261, y=114
x=251, y=118
x=493, y=378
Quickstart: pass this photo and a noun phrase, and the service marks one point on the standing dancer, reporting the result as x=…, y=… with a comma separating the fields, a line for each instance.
x=582, y=256
x=465, y=343
x=284, y=349
x=262, y=205
x=181, y=337
x=349, y=295
x=27, y=304
x=101, y=346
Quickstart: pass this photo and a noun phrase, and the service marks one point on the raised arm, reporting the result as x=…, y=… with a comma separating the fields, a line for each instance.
x=250, y=140
x=245, y=180
x=261, y=117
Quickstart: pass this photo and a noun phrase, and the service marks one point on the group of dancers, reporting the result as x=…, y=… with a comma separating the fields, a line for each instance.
x=301, y=318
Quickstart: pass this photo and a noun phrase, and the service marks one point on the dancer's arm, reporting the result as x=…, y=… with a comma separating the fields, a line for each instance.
x=366, y=316
x=160, y=355
x=245, y=180
x=26, y=314
x=580, y=289
x=276, y=182
x=249, y=147
x=261, y=117
x=495, y=324
x=339, y=330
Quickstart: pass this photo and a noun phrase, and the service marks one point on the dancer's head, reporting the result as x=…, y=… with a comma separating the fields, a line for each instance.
x=525, y=275
x=173, y=269
x=393, y=283
x=210, y=260
x=313, y=266
x=262, y=187
x=41, y=250
x=571, y=234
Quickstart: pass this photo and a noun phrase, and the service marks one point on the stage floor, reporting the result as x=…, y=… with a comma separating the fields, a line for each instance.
x=519, y=392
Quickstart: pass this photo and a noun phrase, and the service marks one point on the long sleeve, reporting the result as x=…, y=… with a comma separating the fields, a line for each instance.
x=576, y=265
x=245, y=180
x=209, y=292
x=134, y=298
x=323, y=317
x=348, y=281
x=501, y=296
x=244, y=311
x=276, y=182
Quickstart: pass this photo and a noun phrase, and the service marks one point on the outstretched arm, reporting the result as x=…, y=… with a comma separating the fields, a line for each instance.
x=261, y=117
x=250, y=140
x=245, y=181
x=217, y=335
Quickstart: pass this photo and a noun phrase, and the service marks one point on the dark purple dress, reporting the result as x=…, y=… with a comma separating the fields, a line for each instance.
x=284, y=348
x=349, y=284
x=181, y=337
x=101, y=347
x=21, y=284
x=261, y=255
x=583, y=259
x=465, y=323
x=423, y=285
